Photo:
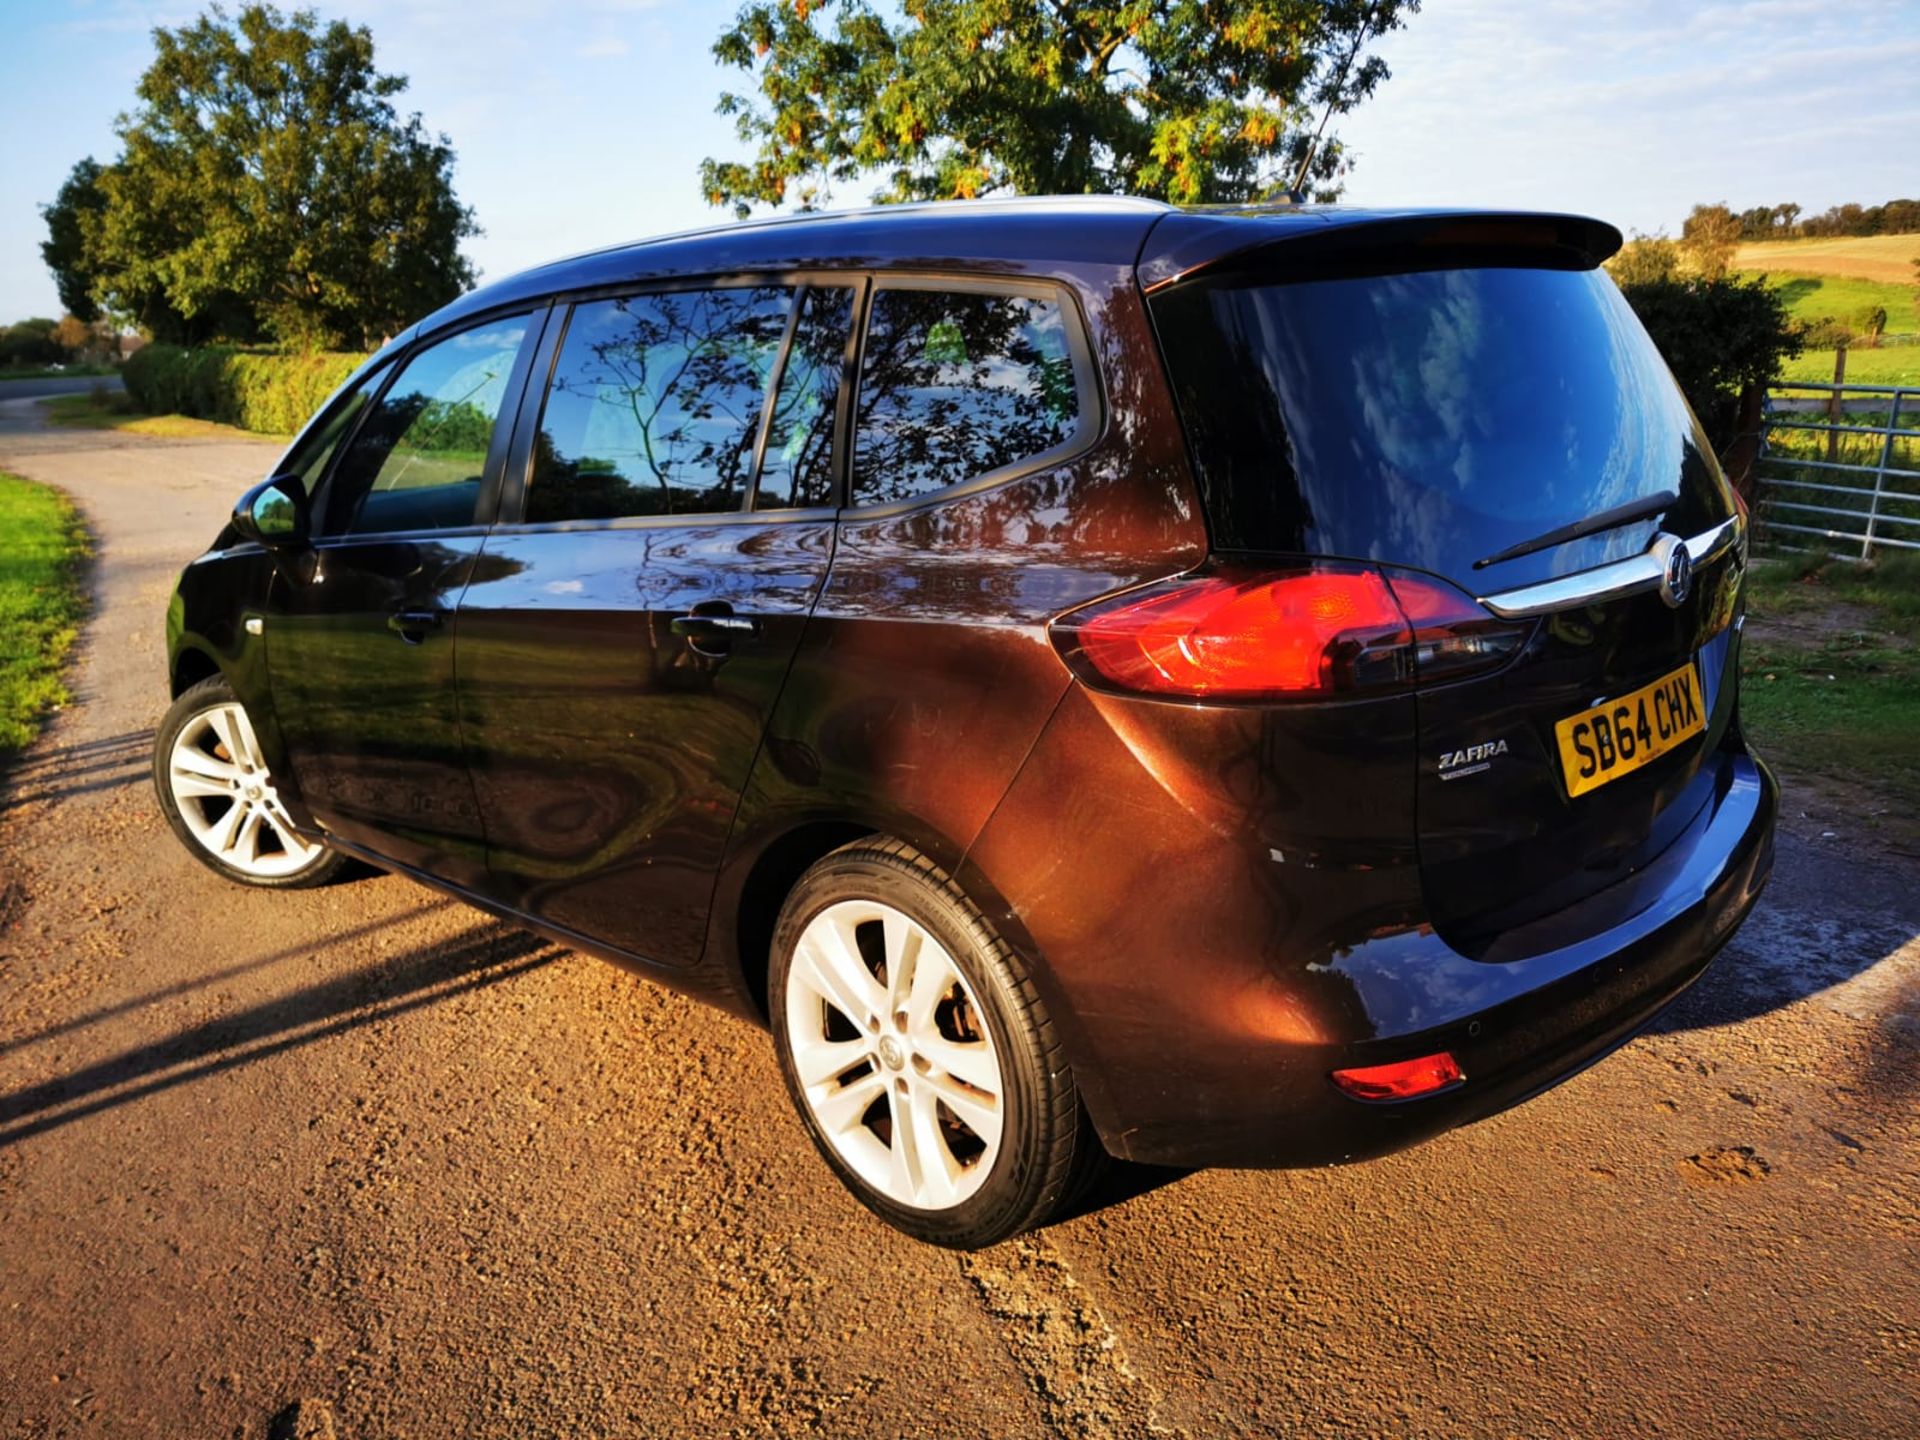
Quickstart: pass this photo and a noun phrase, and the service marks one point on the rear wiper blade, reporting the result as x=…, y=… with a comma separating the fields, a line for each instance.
x=1592, y=525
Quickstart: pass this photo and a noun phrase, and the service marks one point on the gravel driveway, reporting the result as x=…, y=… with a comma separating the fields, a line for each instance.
x=362, y=1162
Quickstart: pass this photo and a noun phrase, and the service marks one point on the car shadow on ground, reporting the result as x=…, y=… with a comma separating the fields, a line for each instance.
x=483, y=956
x=62, y=772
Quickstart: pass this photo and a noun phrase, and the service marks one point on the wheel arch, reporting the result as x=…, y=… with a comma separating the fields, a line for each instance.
x=190, y=666
x=761, y=873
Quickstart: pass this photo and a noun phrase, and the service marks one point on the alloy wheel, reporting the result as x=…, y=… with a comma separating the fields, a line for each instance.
x=226, y=797
x=894, y=1055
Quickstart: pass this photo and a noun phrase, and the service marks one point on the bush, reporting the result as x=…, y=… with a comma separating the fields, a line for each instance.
x=1870, y=322
x=272, y=393
x=1826, y=333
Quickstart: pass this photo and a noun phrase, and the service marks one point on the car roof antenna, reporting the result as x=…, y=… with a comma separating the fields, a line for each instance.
x=1296, y=193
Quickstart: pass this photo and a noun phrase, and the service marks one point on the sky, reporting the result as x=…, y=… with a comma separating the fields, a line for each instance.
x=581, y=123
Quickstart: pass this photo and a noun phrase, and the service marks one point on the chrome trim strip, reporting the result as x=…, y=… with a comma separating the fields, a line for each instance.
x=1612, y=581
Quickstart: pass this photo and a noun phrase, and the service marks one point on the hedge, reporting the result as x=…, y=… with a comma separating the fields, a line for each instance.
x=272, y=393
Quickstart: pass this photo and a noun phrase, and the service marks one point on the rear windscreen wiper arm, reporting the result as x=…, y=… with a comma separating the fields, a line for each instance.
x=1592, y=525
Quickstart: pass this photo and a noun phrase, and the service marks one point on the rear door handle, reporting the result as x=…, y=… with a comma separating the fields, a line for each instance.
x=713, y=627
x=412, y=625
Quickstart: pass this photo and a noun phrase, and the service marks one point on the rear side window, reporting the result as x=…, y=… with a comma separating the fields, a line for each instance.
x=797, y=466
x=655, y=404
x=417, y=462
x=958, y=384
x=1430, y=419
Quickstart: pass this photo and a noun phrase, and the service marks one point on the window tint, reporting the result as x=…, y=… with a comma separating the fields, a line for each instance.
x=309, y=456
x=797, y=466
x=417, y=462
x=655, y=403
x=955, y=385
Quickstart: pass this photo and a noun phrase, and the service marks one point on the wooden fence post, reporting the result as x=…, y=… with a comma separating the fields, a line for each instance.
x=1833, y=403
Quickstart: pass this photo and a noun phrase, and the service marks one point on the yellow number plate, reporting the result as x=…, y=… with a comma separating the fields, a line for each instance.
x=1620, y=736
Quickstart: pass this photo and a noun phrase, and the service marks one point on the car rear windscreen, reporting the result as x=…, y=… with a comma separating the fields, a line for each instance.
x=1431, y=418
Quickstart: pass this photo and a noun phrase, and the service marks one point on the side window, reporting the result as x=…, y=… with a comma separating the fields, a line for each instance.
x=957, y=384
x=655, y=404
x=309, y=456
x=797, y=466
x=417, y=462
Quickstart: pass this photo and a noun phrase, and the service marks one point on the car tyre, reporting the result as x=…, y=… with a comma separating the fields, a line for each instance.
x=919, y=1054
x=218, y=796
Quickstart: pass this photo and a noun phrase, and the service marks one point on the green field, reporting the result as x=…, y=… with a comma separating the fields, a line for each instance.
x=1835, y=279
x=1812, y=298
x=42, y=544
x=1830, y=671
x=1890, y=365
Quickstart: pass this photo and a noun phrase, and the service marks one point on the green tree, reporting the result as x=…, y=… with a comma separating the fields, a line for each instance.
x=30, y=342
x=1709, y=237
x=1870, y=323
x=1645, y=259
x=268, y=186
x=78, y=203
x=1190, y=100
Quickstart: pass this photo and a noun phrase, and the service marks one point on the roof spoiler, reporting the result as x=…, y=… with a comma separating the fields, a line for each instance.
x=1309, y=244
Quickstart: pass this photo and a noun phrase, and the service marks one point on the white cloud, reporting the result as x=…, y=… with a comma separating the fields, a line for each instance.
x=1637, y=109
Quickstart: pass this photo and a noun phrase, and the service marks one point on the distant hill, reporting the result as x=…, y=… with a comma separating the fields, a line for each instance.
x=1886, y=258
x=1835, y=277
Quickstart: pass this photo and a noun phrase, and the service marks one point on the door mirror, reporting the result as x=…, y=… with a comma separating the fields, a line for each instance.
x=274, y=513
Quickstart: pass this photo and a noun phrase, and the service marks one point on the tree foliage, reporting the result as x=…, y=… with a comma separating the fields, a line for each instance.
x=78, y=204
x=268, y=187
x=1786, y=222
x=30, y=342
x=1708, y=239
x=1645, y=259
x=1190, y=100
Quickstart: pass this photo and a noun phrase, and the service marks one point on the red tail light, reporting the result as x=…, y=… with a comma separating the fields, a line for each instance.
x=1320, y=630
x=1402, y=1080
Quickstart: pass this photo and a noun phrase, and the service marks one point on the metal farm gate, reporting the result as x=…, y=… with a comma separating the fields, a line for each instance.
x=1839, y=469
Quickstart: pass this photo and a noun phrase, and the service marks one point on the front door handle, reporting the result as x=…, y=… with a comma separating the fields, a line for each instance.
x=412, y=625
x=712, y=628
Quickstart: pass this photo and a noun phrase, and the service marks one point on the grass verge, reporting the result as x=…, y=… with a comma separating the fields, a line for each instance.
x=42, y=545
x=1830, y=672
x=114, y=410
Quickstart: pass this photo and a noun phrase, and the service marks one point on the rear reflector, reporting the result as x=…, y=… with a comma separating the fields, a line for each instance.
x=1402, y=1080
x=1319, y=630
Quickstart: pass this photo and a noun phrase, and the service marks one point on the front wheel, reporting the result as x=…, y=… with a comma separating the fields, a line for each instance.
x=919, y=1054
x=219, y=798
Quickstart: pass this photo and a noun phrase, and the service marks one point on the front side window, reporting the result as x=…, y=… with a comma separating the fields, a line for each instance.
x=655, y=404
x=308, y=458
x=418, y=461
x=957, y=384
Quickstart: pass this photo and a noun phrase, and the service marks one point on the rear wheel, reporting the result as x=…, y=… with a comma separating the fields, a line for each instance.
x=919, y=1054
x=219, y=798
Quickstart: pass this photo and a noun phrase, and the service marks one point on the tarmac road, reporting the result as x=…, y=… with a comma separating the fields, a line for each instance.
x=47, y=385
x=361, y=1162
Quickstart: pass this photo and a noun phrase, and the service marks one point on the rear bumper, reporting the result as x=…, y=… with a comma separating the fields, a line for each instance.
x=1204, y=1019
